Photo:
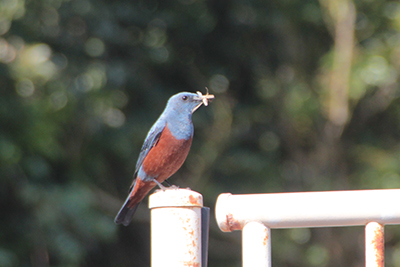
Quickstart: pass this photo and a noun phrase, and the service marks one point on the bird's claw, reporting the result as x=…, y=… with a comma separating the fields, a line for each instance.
x=175, y=187
x=164, y=188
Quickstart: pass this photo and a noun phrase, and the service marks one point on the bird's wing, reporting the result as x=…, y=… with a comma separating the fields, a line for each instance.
x=151, y=140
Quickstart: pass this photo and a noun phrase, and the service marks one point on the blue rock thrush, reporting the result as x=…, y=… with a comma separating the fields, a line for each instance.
x=164, y=150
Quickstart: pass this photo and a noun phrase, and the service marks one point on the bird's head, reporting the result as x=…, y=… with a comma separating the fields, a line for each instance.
x=186, y=102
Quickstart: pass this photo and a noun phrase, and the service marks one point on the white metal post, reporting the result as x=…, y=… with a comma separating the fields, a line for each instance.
x=374, y=245
x=175, y=228
x=256, y=245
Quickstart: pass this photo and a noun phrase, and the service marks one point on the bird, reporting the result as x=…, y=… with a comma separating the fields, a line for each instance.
x=164, y=150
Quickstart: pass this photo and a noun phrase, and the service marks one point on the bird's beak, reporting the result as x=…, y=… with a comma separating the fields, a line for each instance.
x=203, y=98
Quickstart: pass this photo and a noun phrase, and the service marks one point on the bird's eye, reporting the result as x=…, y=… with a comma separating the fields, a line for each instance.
x=184, y=98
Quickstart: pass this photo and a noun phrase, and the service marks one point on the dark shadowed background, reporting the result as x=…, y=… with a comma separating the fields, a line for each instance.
x=307, y=98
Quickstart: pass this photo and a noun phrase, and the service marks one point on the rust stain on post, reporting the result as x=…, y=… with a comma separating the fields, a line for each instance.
x=193, y=200
x=265, y=241
x=375, y=245
x=191, y=264
x=232, y=224
x=379, y=246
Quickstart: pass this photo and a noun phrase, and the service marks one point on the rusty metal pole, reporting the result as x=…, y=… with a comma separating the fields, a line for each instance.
x=374, y=245
x=176, y=228
x=256, y=245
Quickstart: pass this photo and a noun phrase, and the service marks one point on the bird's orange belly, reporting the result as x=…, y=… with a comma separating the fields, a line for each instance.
x=167, y=156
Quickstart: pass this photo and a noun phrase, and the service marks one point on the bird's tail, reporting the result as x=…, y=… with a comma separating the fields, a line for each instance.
x=139, y=190
x=125, y=214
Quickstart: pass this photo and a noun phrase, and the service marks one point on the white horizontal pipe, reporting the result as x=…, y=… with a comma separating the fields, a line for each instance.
x=175, y=228
x=309, y=209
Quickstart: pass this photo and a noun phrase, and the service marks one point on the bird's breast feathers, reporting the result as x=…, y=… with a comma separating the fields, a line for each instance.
x=165, y=158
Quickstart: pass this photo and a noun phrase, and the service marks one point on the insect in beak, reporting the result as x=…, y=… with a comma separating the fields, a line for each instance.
x=204, y=99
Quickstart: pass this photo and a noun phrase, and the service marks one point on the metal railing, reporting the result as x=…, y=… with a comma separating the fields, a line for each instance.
x=179, y=222
x=256, y=214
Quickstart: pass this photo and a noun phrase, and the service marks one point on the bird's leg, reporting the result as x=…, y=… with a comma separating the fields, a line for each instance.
x=160, y=185
x=171, y=186
x=167, y=182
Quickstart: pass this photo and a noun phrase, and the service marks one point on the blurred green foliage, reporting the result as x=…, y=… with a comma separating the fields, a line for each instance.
x=307, y=98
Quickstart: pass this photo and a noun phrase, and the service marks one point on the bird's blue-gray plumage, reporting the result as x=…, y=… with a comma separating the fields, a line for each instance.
x=177, y=117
